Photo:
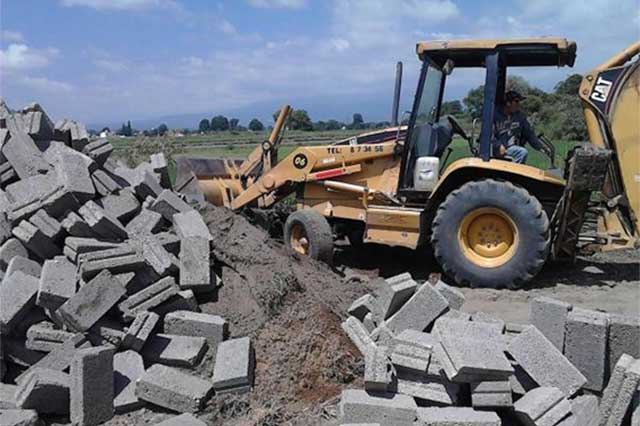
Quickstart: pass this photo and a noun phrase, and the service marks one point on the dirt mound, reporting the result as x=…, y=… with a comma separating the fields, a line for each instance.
x=292, y=308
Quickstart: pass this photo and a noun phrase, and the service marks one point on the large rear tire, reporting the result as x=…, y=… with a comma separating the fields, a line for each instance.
x=491, y=233
x=308, y=232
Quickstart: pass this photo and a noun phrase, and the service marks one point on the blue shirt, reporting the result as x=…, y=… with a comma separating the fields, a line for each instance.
x=512, y=129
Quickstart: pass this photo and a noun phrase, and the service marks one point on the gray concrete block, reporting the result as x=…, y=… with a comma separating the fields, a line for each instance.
x=212, y=327
x=19, y=417
x=413, y=350
x=382, y=335
x=195, y=269
x=419, y=311
x=160, y=166
x=119, y=260
x=92, y=386
x=39, y=126
x=59, y=359
x=49, y=226
x=79, y=245
x=58, y=153
x=57, y=284
x=140, y=330
x=377, y=370
x=187, y=184
x=432, y=390
x=624, y=335
x=29, y=195
x=45, y=337
x=16, y=352
x=491, y=395
x=8, y=396
x=148, y=298
x=185, y=300
x=17, y=297
x=456, y=416
x=234, y=366
x=358, y=406
x=75, y=226
x=74, y=176
x=172, y=389
x=147, y=222
x=550, y=317
x=362, y=306
x=168, y=204
x=46, y=391
x=24, y=265
x=491, y=321
x=369, y=323
x=543, y=406
x=91, y=302
x=105, y=183
x=78, y=134
x=158, y=258
x=586, y=345
x=24, y=156
x=36, y=241
x=9, y=249
x=452, y=294
x=521, y=382
x=391, y=295
x=585, y=410
x=179, y=351
x=123, y=206
x=618, y=394
x=186, y=419
x=98, y=150
x=168, y=240
x=102, y=223
x=469, y=330
x=128, y=367
x=544, y=363
x=106, y=332
x=189, y=224
x=5, y=223
x=358, y=335
x=7, y=174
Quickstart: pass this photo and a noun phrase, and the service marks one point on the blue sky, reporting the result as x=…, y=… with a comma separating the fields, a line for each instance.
x=102, y=61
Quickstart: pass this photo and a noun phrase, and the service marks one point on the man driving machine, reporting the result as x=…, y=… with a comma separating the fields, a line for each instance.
x=512, y=130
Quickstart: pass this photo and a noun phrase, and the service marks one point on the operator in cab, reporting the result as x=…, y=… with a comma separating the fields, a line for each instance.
x=512, y=130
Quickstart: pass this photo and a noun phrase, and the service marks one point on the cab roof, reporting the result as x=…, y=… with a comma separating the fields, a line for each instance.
x=541, y=51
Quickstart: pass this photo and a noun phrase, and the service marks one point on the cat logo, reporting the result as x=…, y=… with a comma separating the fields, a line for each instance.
x=300, y=161
x=601, y=90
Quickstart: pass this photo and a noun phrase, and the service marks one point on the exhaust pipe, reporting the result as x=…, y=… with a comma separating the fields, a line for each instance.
x=396, y=95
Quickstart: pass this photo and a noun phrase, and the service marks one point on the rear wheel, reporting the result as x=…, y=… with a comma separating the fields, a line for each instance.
x=491, y=234
x=308, y=232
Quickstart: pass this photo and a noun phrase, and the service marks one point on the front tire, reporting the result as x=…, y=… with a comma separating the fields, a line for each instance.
x=308, y=232
x=491, y=234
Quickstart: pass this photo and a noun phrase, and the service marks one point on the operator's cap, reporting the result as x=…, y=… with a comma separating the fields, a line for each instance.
x=512, y=95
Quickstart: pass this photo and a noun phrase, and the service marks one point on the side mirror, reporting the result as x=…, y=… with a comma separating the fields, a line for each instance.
x=448, y=67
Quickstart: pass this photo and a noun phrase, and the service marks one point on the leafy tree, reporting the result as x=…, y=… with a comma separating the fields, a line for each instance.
x=451, y=108
x=334, y=125
x=126, y=129
x=233, y=123
x=204, y=125
x=300, y=120
x=569, y=86
x=256, y=125
x=473, y=101
x=162, y=129
x=358, y=121
x=219, y=123
x=319, y=126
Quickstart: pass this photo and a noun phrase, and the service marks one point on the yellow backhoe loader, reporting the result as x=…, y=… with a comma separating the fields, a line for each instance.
x=490, y=221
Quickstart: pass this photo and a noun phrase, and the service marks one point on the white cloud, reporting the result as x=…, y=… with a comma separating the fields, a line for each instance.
x=43, y=84
x=122, y=4
x=280, y=4
x=19, y=56
x=9, y=36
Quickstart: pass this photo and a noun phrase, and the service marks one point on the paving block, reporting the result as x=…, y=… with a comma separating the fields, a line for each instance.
x=49, y=226
x=79, y=137
x=358, y=406
x=105, y=183
x=24, y=156
x=362, y=306
x=17, y=297
x=81, y=245
x=185, y=419
x=75, y=226
x=35, y=240
x=19, y=417
x=377, y=370
x=618, y=394
x=212, y=327
x=91, y=302
x=456, y=416
x=234, y=366
x=119, y=260
x=146, y=222
x=158, y=258
x=24, y=265
x=44, y=337
x=429, y=389
x=358, y=335
x=492, y=321
x=46, y=391
x=195, y=269
x=391, y=295
x=74, y=176
x=544, y=363
x=543, y=406
x=170, y=388
x=585, y=410
x=123, y=206
x=57, y=284
x=102, y=222
x=29, y=195
x=171, y=349
x=452, y=294
x=190, y=224
x=624, y=335
x=586, y=345
x=419, y=311
x=8, y=396
x=550, y=317
x=128, y=367
x=148, y=298
x=140, y=330
x=413, y=350
x=98, y=150
x=491, y=395
x=92, y=386
x=9, y=249
x=168, y=204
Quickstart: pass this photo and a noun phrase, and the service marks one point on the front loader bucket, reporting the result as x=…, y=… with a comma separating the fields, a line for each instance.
x=210, y=178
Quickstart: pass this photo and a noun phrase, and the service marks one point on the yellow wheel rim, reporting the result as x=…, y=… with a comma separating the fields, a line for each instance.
x=299, y=240
x=488, y=237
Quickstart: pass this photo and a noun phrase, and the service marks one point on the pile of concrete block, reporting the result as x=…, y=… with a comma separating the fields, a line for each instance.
x=429, y=363
x=101, y=268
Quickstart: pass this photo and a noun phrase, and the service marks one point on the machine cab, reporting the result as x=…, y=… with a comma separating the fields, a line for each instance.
x=428, y=134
